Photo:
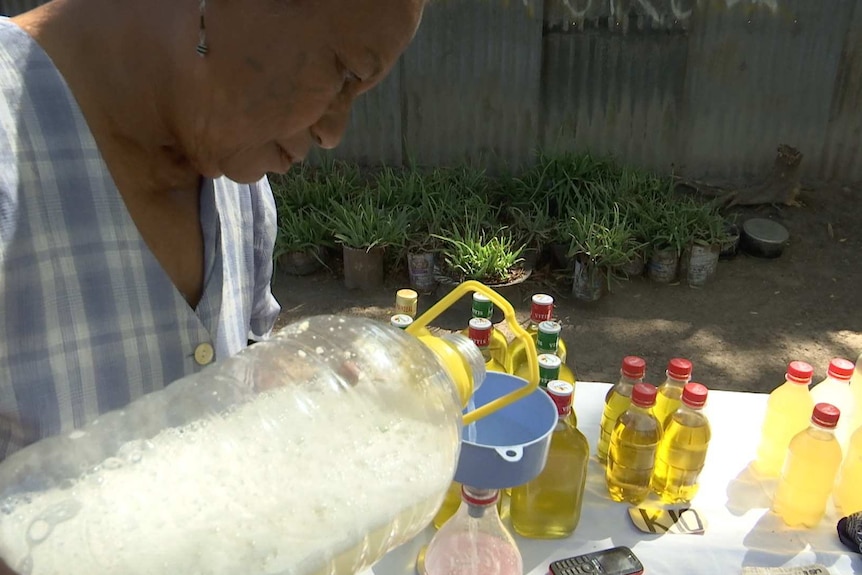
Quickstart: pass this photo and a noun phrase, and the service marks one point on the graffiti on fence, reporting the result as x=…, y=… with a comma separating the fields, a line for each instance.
x=661, y=12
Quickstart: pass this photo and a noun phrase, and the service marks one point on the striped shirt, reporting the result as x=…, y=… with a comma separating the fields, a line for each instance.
x=89, y=320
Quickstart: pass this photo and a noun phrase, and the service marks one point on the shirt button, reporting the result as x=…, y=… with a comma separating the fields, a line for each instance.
x=204, y=354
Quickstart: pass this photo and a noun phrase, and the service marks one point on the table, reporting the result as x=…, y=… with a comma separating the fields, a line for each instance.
x=740, y=529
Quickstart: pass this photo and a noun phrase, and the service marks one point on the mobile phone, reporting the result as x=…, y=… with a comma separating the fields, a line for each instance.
x=613, y=561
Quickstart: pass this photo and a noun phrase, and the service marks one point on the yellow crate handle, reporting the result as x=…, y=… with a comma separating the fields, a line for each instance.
x=419, y=328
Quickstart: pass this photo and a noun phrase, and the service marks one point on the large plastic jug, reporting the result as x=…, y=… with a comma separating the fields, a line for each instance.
x=312, y=453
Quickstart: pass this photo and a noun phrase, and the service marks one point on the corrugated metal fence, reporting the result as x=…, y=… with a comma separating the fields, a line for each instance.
x=706, y=87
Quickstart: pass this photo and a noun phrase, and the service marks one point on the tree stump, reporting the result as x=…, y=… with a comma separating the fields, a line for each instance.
x=782, y=186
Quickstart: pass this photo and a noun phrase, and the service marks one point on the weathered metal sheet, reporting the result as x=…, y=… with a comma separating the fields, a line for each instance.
x=615, y=93
x=842, y=153
x=759, y=74
x=472, y=79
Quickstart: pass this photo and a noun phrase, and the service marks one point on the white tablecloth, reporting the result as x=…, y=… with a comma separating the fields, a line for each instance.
x=740, y=530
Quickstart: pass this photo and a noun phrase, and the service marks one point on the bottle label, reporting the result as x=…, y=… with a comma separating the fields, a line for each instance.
x=547, y=342
x=484, y=309
x=547, y=374
x=541, y=311
x=673, y=521
x=813, y=569
x=406, y=303
x=481, y=337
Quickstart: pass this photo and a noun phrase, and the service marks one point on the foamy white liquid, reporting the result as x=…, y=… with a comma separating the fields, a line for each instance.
x=225, y=497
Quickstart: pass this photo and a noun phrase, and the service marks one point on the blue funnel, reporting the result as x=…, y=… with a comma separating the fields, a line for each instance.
x=510, y=446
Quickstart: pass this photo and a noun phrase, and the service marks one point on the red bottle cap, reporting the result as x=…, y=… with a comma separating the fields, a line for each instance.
x=480, y=496
x=561, y=392
x=694, y=394
x=679, y=368
x=643, y=394
x=542, y=308
x=841, y=368
x=799, y=372
x=480, y=331
x=825, y=415
x=634, y=367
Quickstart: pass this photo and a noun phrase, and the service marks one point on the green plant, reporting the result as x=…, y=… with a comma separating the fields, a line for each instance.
x=362, y=224
x=470, y=253
x=300, y=230
x=665, y=224
x=533, y=224
x=602, y=239
x=705, y=225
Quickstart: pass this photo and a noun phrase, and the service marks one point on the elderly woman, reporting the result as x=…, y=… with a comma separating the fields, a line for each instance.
x=136, y=222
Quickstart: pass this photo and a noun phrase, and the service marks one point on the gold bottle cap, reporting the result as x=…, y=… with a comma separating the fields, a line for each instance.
x=406, y=301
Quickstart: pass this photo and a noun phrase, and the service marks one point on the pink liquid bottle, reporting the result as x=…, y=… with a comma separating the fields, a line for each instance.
x=474, y=541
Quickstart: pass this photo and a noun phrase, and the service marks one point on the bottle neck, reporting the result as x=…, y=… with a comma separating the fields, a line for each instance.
x=677, y=381
x=820, y=431
x=630, y=381
x=479, y=502
x=640, y=408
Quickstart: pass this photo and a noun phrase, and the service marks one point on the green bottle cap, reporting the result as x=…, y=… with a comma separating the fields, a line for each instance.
x=549, y=369
x=482, y=306
x=548, y=337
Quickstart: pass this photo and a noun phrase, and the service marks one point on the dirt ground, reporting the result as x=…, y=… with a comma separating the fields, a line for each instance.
x=740, y=330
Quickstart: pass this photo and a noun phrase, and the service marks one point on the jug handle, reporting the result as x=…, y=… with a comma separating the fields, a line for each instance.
x=419, y=325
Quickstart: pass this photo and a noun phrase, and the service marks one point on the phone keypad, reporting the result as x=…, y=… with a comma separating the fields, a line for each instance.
x=578, y=566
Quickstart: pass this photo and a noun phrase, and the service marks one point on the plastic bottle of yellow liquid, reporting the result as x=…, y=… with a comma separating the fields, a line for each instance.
x=541, y=309
x=549, y=506
x=617, y=401
x=848, y=490
x=835, y=389
x=634, y=443
x=682, y=451
x=547, y=342
x=809, y=470
x=498, y=345
x=788, y=412
x=856, y=388
x=669, y=395
x=480, y=330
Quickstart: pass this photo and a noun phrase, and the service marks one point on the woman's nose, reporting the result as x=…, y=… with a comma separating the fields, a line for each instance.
x=329, y=129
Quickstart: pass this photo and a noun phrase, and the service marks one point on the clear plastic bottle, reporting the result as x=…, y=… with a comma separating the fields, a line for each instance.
x=682, y=451
x=617, y=401
x=835, y=390
x=848, y=490
x=198, y=469
x=541, y=309
x=788, y=412
x=498, y=345
x=809, y=470
x=669, y=395
x=547, y=342
x=549, y=506
x=474, y=541
x=634, y=442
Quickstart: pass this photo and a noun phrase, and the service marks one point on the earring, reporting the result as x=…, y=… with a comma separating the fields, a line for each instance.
x=202, y=47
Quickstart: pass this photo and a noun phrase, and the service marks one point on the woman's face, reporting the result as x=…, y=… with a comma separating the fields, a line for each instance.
x=281, y=76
